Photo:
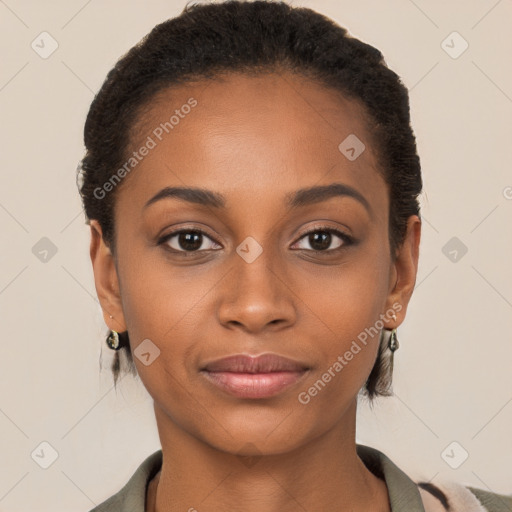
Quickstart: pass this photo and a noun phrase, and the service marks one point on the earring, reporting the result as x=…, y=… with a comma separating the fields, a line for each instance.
x=393, y=344
x=113, y=340
x=393, y=341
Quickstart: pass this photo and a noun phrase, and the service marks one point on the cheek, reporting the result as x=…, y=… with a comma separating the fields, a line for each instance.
x=344, y=308
x=161, y=301
x=347, y=298
x=166, y=304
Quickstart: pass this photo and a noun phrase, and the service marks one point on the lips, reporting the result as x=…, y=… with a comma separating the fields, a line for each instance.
x=265, y=363
x=250, y=377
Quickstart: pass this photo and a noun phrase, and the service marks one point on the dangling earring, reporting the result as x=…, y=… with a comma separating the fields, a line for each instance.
x=393, y=344
x=379, y=380
x=113, y=340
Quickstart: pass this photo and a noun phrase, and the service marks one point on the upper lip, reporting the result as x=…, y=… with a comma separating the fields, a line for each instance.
x=264, y=363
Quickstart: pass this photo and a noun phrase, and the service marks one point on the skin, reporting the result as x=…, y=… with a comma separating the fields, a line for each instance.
x=254, y=140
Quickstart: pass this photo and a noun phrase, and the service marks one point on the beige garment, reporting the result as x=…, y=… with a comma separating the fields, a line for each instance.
x=459, y=498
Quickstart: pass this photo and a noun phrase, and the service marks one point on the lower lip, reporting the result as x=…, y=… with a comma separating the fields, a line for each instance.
x=253, y=385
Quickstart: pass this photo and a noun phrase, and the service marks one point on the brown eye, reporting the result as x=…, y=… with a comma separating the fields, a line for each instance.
x=188, y=240
x=321, y=239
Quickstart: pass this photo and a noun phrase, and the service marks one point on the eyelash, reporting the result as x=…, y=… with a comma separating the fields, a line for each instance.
x=347, y=239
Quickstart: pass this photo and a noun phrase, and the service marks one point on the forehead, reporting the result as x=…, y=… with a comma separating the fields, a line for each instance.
x=249, y=135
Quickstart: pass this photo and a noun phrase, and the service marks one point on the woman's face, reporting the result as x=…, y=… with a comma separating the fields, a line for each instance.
x=254, y=282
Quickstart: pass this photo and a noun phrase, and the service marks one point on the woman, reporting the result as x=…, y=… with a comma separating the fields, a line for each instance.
x=251, y=183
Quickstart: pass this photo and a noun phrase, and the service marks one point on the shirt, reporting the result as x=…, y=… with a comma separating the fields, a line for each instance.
x=405, y=495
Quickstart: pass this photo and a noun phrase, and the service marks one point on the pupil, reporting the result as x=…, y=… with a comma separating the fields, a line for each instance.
x=325, y=240
x=190, y=241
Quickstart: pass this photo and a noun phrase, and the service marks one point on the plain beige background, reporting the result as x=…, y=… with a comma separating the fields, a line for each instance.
x=453, y=379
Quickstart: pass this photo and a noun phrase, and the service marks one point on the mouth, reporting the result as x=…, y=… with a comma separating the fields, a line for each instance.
x=264, y=363
x=246, y=376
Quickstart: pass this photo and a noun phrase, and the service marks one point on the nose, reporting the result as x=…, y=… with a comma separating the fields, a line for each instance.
x=257, y=296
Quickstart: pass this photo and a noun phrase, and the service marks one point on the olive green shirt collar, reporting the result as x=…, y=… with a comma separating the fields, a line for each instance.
x=403, y=492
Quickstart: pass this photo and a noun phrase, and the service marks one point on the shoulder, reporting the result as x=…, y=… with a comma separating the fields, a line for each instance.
x=455, y=497
x=410, y=493
x=133, y=495
x=493, y=501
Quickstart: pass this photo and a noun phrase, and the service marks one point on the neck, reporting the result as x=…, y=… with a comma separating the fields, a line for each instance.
x=324, y=474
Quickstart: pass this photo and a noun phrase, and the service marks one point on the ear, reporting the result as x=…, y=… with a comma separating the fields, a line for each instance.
x=404, y=271
x=106, y=279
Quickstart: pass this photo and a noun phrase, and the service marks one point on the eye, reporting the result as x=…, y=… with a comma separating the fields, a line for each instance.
x=321, y=237
x=187, y=240
x=196, y=240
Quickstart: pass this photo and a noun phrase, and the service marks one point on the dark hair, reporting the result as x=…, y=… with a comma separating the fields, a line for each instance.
x=207, y=40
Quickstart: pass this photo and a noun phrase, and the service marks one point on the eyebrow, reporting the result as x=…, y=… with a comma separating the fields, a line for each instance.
x=299, y=198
